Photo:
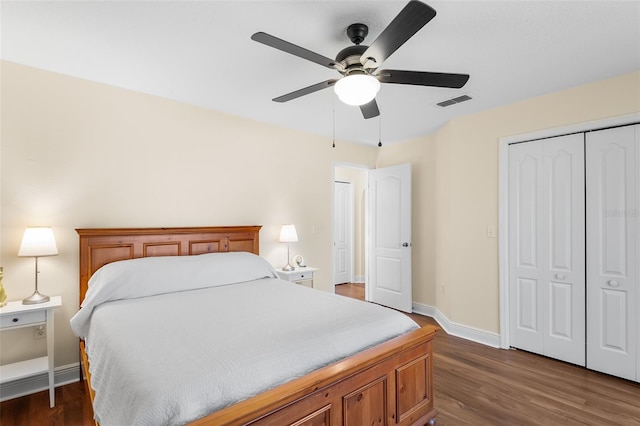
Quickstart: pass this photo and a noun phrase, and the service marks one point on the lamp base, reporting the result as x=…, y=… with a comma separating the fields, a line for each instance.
x=35, y=298
x=288, y=268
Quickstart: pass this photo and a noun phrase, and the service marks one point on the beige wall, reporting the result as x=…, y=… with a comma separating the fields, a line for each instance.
x=77, y=154
x=81, y=154
x=463, y=180
x=420, y=154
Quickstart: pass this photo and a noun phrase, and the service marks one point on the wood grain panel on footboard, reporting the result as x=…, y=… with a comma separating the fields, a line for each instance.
x=389, y=384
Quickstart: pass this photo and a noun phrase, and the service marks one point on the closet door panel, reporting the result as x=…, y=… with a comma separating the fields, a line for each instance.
x=525, y=272
x=614, y=317
x=561, y=311
x=563, y=224
x=527, y=305
x=546, y=233
x=612, y=272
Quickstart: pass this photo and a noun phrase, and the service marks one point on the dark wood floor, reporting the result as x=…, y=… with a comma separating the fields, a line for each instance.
x=478, y=385
x=474, y=385
x=73, y=408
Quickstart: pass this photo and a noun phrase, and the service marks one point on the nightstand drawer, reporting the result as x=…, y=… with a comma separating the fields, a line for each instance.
x=23, y=318
x=300, y=276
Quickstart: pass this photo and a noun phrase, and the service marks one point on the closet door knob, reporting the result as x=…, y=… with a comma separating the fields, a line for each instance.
x=613, y=283
x=559, y=277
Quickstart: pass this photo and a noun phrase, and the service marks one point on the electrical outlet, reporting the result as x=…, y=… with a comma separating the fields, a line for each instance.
x=491, y=231
x=39, y=332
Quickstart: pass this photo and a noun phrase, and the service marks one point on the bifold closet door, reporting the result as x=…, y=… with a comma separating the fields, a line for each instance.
x=546, y=247
x=612, y=161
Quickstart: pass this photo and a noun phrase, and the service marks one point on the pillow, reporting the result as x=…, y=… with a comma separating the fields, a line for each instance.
x=148, y=276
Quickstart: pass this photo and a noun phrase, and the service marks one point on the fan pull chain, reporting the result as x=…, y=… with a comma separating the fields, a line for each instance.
x=380, y=131
x=333, y=99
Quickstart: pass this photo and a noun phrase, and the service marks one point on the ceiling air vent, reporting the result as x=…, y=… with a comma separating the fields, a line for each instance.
x=453, y=101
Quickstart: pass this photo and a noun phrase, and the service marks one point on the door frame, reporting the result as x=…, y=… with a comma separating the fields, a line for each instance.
x=366, y=168
x=503, y=199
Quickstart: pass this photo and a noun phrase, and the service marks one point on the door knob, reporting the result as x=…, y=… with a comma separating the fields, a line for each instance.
x=613, y=283
x=405, y=244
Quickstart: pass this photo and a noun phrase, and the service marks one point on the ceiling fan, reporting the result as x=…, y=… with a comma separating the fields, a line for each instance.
x=359, y=64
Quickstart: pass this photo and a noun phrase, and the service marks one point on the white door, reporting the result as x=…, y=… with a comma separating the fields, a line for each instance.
x=612, y=244
x=390, y=237
x=525, y=270
x=342, y=232
x=546, y=241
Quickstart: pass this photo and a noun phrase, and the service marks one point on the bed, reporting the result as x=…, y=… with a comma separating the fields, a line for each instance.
x=356, y=382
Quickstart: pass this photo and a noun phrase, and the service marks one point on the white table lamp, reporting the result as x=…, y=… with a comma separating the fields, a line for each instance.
x=37, y=242
x=288, y=234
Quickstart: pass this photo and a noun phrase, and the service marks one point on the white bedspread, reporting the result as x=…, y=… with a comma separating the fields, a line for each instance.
x=175, y=357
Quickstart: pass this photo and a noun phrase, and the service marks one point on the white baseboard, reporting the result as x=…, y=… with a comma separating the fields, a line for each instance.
x=469, y=333
x=62, y=375
x=358, y=279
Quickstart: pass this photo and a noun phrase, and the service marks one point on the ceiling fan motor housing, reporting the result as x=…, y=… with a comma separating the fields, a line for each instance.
x=349, y=57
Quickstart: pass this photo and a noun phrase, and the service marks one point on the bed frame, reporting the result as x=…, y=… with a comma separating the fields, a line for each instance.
x=389, y=384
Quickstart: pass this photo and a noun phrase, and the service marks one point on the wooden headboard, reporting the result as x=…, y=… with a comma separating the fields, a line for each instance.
x=101, y=246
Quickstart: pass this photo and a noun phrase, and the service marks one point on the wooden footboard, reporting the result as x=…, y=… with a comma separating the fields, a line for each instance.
x=389, y=384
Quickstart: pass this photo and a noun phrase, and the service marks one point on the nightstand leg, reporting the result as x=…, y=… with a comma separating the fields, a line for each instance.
x=50, y=340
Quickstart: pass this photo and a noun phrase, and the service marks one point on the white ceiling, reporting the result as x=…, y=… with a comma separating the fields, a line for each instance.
x=200, y=52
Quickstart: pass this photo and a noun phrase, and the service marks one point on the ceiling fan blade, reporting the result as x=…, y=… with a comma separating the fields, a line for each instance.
x=414, y=16
x=291, y=48
x=305, y=91
x=370, y=109
x=422, y=78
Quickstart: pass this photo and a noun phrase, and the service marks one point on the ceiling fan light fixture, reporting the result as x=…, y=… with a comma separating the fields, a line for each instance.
x=357, y=89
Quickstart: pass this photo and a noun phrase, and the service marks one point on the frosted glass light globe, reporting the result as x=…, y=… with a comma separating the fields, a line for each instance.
x=357, y=89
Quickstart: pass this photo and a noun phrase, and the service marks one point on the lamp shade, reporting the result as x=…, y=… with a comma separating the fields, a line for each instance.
x=288, y=234
x=357, y=89
x=38, y=241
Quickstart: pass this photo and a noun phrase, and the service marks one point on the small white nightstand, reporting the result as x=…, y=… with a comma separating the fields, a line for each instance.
x=16, y=315
x=301, y=275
